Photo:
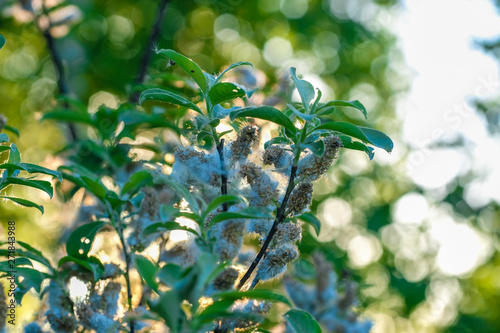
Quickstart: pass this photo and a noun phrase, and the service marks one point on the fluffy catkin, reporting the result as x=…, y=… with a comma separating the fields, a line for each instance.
x=277, y=156
x=263, y=189
x=274, y=263
x=313, y=167
x=94, y=320
x=60, y=314
x=229, y=238
x=241, y=147
x=300, y=199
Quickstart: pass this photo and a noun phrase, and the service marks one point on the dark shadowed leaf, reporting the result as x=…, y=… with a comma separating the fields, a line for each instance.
x=155, y=227
x=311, y=220
x=188, y=66
x=352, y=104
x=266, y=113
x=225, y=91
x=378, y=138
x=38, y=184
x=137, y=181
x=81, y=239
x=69, y=116
x=147, y=270
x=355, y=145
x=24, y=202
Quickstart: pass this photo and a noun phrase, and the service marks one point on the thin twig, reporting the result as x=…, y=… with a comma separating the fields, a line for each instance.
x=146, y=56
x=127, y=275
x=280, y=217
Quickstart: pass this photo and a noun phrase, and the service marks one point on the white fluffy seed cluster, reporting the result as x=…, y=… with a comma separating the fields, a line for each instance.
x=263, y=189
x=258, y=309
x=312, y=167
x=60, y=314
x=196, y=168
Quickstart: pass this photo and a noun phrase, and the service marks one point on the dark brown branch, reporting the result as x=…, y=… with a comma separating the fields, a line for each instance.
x=280, y=217
x=146, y=56
x=223, y=187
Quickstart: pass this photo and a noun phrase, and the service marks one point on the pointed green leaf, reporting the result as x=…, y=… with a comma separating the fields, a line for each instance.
x=137, y=181
x=276, y=140
x=94, y=187
x=356, y=145
x=306, y=90
x=184, y=192
x=225, y=91
x=378, y=138
x=161, y=95
x=24, y=202
x=155, y=227
x=191, y=68
x=12, y=129
x=92, y=264
x=147, y=270
x=302, y=321
x=214, y=204
x=266, y=113
x=69, y=116
x=353, y=104
x=31, y=168
x=38, y=184
x=15, y=155
x=4, y=148
x=81, y=239
x=301, y=114
x=312, y=220
x=263, y=294
x=37, y=255
x=242, y=63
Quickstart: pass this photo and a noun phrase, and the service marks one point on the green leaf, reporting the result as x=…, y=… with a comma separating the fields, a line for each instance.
x=263, y=294
x=276, y=140
x=355, y=145
x=4, y=148
x=24, y=202
x=69, y=116
x=214, y=204
x=12, y=129
x=94, y=187
x=14, y=155
x=81, y=239
x=2, y=41
x=168, y=307
x=312, y=220
x=266, y=113
x=242, y=63
x=151, y=229
x=353, y=104
x=31, y=168
x=167, y=97
x=378, y=138
x=306, y=90
x=4, y=138
x=92, y=264
x=38, y=184
x=5, y=265
x=147, y=270
x=137, y=181
x=225, y=91
x=191, y=68
x=367, y=135
x=302, y=321
x=299, y=114
x=37, y=255
x=184, y=192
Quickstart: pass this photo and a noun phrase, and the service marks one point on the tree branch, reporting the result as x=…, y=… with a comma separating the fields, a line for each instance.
x=280, y=217
x=146, y=56
x=223, y=188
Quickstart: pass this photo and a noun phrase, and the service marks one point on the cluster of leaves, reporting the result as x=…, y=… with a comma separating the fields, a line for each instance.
x=177, y=290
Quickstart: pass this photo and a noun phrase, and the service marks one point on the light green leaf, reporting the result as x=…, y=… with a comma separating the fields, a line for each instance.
x=312, y=220
x=266, y=113
x=24, y=202
x=301, y=114
x=306, y=90
x=168, y=307
x=353, y=104
x=81, y=239
x=302, y=321
x=225, y=91
x=263, y=294
x=242, y=63
x=191, y=68
x=38, y=184
x=147, y=270
x=31, y=168
x=137, y=181
x=161, y=95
